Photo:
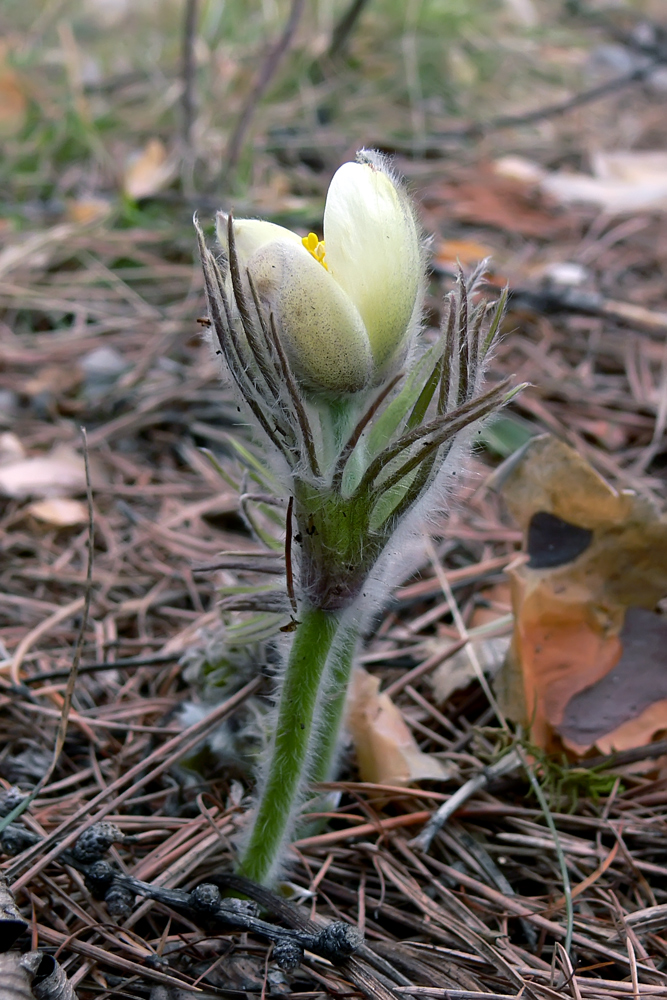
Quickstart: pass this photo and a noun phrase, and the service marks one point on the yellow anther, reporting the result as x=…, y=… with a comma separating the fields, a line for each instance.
x=315, y=248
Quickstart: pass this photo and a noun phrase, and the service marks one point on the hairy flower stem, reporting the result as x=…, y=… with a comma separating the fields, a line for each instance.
x=288, y=768
x=326, y=734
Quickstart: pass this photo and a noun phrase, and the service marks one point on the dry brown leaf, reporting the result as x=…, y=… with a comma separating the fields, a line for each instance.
x=11, y=449
x=486, y=646
x=485, y=197
x=456, y=673
x=622, y=182
x=609, y=434
x=53, y=379
x=60, y=473
x=386, y=750
x=588, y=652
x=519, y=168
x=148, y=171
x=59, y=512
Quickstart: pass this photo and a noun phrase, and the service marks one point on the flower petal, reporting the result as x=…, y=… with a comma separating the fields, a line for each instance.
x=251, y=235
x=320, y=328
x=373, y=252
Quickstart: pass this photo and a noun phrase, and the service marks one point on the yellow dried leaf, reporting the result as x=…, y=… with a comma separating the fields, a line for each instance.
x=83, y=211
x=148, y=171
x=59, y=512
x=58, y=474
x=386, y=750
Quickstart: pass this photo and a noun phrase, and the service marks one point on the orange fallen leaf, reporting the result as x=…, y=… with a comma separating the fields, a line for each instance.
x=466, y=252
x=13, y=97
x=588, y=662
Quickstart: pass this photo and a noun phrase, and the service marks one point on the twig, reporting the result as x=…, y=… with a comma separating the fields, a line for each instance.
x=510, y=762
x=357, y=968
x=14, y=665
x=520, y=907
x=365, y=830
x=632, y=958
x=344, y=28
x=631, y=40
x=264, y=77
x=188, y=69
x=622, y=757
x=203, y=905
x=116, y=82
x=188, y=97
x=93, y=668
x=430, y=586
x=463, y=632
x=477, y=129
x=71, y=682
x=554, y=300
x=585, y=883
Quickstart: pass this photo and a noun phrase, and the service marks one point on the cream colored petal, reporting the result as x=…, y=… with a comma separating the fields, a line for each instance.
x=373, y=252
x=252, y=234
x=320, y=328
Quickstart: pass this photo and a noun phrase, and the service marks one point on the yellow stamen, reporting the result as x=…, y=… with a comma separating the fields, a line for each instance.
x=315, y=248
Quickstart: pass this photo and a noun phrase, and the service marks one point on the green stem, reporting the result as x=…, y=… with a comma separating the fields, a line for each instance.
x=336, y=681
x=282, y=790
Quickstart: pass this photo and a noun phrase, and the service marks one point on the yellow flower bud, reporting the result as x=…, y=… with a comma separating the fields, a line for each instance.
x=373, y=253
x=344, y=306
x=252, y=234
x=320, y=327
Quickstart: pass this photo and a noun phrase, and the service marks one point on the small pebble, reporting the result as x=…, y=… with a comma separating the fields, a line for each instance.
x=104, y=364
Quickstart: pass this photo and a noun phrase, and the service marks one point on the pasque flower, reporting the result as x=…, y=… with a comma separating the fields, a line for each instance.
x=344, y=306
x=314, y=334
